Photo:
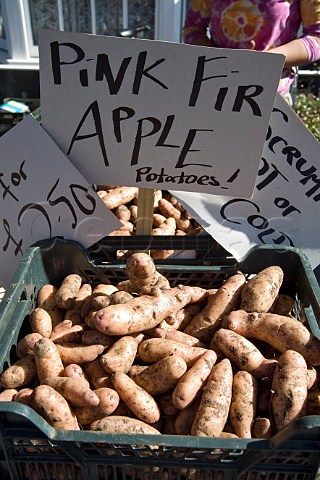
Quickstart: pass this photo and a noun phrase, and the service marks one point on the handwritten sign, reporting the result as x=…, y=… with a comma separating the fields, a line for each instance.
x=43, y=196
x=284, y=208
x=157, y=114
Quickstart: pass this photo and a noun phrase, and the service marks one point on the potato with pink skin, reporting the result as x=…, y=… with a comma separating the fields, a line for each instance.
x=41, y=322
x=282, y=332
x=26, y=345
x=24, y=396
x=54, y=408
x=138, y=400
x=78, y=353
x=185, y=418
x=92, y=337
x=178, y=336
x=260, y=291
x=8, y=395
x=193, y=380
x=97, y=375
x=120, y=196
x=74, y=390
x=181, y=319
x=144, y=312
x=244, y=353
x=262, y=428
x=46, y=297
x=162, y=376
x=109, y=400
x=120, y=355
x=67, y=291
x=215, y=402
x=290, y=389
x=123, y=424
x=75, y=371
x=243, y=403
x=152, y=350
x=223, y=301
x=19, y=373
x=69, y=335
x=143, y=276
x=47, y=359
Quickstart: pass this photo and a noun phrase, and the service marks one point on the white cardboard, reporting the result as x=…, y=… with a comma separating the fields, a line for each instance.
x=284, y=208
x=156, y=114
x=43, y=196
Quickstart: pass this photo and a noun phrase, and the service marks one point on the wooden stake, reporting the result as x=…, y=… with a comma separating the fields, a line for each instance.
x=145, y=211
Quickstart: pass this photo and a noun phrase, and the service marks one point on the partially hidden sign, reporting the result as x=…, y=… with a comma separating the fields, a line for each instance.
x=157, y=114
x=43, y=196
x=284, y=209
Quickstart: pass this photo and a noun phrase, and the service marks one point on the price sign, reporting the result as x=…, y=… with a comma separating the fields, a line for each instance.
x=42, y=196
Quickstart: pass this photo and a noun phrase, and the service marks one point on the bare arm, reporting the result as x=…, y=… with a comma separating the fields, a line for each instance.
x=295, y=53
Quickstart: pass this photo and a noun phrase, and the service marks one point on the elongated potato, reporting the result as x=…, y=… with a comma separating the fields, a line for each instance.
x=94, y=303
x=283, y=304
x=119, y=196
x=181, y=319
x=185, y=418
x=143, y=277
x=140, y=402
x=152, y=350
x=26, y=345
x=8, y=395
x=226, y=299
x=75, y=371
x=24, y=396
x=109, y=400
x=193, y=380
x=165, y=404
x=54, y=408
x=66, y=293
x=178, y=336
x=121, y=424
x=143, y=312
x=282, y=332
x=120, y=297
x=74, y=390
x=76, y=353
x=47, y=359
x=93, y=337
x=244, y=353
x=243, y=403
x=97, y=375
x=260, y=292
x=41, y=322
x=162, y=376
x=262, y=428
x=290, y=389
x=120, y=355
x=82, y=295
x=46, y=298
x=215, y=402
x=69, y=335
x=19, y=373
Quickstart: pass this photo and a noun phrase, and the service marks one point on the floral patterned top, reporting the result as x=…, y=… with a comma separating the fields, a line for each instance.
x=270, y=23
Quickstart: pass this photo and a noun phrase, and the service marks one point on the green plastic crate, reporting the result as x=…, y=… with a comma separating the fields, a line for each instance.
x=31, y=449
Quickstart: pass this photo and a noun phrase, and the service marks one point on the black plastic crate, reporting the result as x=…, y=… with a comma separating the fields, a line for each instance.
x=188, y=250
x=31, y=449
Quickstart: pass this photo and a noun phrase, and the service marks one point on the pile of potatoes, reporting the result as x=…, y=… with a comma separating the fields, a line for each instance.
x=142, y=357
x=169, y=217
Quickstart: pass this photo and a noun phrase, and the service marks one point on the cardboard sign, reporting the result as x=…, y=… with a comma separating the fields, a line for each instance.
x=157, y=114
x=284, y=209
x=43, y=196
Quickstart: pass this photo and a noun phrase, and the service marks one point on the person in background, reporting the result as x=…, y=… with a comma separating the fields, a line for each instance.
x=291, y=28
